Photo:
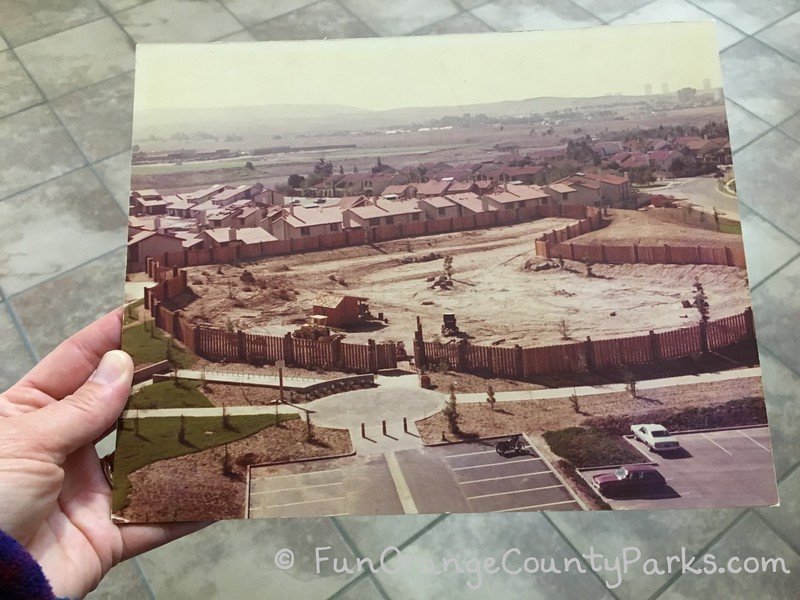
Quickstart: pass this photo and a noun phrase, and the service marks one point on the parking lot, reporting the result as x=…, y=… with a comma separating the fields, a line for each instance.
x=454, y=478
x=714, y=469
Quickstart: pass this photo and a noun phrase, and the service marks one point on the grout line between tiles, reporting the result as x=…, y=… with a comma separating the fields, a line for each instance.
x=778, y=533
x=767, y=350
x=351, y=544
x=65, y=272
x=230, y=12
x=768, y=131
x=788, y=472
x=346, y=9
x=86, y=159
x=586, y=11
x=23, y=334
x=55, y=33
x=144, y=579
x=631, y=11
x=401, y=547
x=722, y=533
x=579, y=554
x=775, y=272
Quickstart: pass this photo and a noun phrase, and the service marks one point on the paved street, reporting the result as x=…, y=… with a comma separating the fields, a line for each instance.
x=703, y=192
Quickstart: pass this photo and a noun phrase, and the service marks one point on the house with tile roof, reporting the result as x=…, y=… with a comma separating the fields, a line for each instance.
x=513, y=196
x=437, y=207
x=294, y=222
x=470, y=203
x=150, y=243
x=379, y=211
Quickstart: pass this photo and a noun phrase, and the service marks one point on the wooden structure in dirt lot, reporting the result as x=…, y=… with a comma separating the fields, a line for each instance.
x=341, y=311
x=218, y=344
x=586, y=356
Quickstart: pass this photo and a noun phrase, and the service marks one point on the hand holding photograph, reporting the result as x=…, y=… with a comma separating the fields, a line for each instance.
x=466, y=273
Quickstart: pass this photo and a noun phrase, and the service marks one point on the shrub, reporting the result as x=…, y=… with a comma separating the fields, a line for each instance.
x=590, y=447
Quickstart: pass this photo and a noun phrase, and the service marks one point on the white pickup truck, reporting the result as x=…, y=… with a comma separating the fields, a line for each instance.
x=657, y=438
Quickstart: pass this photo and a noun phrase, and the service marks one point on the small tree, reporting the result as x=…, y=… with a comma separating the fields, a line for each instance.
x=226, y=419
x=182, y=431
x=700, y=301
x=630, y=381
x=563, y=329
x=309, y=428
x=573, y=400
x=490, y=397
x=227, y=466
x=447, y=267
x=589, y=265
x=450, y=410
x=561, y=262
x=716, y=217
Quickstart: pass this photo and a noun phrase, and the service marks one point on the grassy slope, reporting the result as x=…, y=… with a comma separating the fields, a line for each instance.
x=157, y=439
x=168, y=394
x=146, y=349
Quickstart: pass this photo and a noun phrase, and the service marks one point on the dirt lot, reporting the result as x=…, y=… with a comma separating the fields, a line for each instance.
x=495, y=299
x=194, y=488
x=652, y=228
x=537, y=416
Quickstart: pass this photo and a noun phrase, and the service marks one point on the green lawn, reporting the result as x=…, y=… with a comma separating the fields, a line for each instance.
x=146, y=348
x=131, y=310
x=591, y=447
x=169, y=394
x=730, y=227
x=158, y=439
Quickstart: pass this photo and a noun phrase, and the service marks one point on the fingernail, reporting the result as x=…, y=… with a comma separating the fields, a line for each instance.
x=112, y=367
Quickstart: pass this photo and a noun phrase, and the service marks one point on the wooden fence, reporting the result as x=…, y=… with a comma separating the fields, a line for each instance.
x=218, y=344
x=589, y=355
x=192, y=257
x=555, y=245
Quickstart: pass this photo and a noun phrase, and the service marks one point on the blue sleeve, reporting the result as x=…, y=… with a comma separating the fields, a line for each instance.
x=21, y=577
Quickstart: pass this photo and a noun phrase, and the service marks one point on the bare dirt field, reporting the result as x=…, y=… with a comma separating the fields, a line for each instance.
x=653, y=228
x=495, y=298
x=194, y=488
x=537, y=416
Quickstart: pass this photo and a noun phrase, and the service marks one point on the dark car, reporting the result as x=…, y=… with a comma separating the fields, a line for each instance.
x=628, y=479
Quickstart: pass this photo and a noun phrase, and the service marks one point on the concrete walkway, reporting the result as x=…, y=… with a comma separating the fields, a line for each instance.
x=215, y=411
x=289, y=383
x=398, y=397
x=612, y=388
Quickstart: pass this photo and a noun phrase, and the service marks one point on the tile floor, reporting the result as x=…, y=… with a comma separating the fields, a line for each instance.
x=65, y=106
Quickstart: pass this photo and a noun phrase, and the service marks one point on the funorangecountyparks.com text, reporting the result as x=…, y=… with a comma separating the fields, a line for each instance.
x=515, y=562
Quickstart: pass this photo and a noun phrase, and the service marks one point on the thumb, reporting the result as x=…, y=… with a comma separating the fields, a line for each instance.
x=64, y=426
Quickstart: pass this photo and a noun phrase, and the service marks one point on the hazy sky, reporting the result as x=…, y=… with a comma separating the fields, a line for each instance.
x=387, y=73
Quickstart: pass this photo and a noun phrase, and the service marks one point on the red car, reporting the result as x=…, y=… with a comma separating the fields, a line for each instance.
x=627, y=479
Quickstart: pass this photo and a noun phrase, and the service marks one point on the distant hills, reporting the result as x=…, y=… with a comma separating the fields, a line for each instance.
x=313, y=118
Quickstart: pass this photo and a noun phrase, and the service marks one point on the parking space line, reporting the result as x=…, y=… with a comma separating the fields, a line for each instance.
x=537, y=506
x=545, y=487
x=304, y=502
x=494, y=464
x=297, y=474
x=302, y=487
x=468, y=454
x=754, y=441
x=504, y=477
x=403, y=491
x=716, y=444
